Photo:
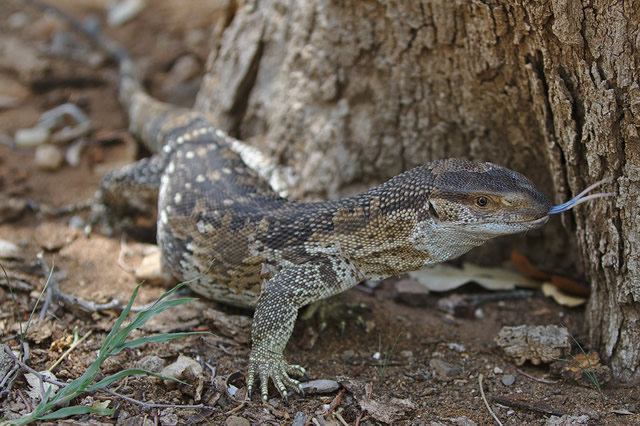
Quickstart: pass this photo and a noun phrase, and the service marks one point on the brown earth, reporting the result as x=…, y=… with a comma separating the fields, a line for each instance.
x=399, y=384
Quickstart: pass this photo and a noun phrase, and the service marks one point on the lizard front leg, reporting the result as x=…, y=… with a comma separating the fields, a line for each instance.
x=286, y=292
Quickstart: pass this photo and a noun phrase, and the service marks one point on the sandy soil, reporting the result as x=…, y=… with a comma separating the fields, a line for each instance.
x=400, y=383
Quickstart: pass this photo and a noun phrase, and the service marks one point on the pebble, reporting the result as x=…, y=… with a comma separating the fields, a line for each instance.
x=152, y=363
x=76, y=222
x=237, y=421
x=8, y=250
x=497, y=370
x=445, y=369
x=17, y=20
x=124, y=11
x=12, y=93
x=456, y=347
x=410, y=293
x=151, y=271
x=508, y=379
x=300, y=419
x=11, y=208
x=31, y=137
x=320, y=386
x=48, y=157
x=406, y=354
x=74, y=153
x=567, y=420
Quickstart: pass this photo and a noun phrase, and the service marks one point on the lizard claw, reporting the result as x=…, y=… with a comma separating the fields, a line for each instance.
x=265, y=365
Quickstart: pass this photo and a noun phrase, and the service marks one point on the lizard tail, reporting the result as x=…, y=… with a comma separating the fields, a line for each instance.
x=140, y=107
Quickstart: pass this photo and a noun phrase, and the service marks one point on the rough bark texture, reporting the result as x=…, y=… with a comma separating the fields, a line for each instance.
x=350, y=93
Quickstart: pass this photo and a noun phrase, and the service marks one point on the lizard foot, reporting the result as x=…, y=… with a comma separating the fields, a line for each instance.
x=265, y=365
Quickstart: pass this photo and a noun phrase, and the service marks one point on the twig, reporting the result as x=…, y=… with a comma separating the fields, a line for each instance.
x=123, y=250
x=547, y=381
x=74, y=345
x=536, y=407
x=341, y=419
x=486, y=403
x=336, y=401
x=148, y=406
x=238, y=408
x=31, y=370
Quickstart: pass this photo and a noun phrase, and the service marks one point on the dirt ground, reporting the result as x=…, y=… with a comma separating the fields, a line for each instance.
x=386, y=373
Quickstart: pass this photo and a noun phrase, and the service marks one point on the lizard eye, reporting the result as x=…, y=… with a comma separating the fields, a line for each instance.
x=482, y=201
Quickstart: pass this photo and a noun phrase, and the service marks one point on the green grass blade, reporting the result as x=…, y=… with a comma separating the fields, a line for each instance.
x=121, y=318
x=75, y=410
x=125, y=373
x=33, y=311
x=158, y=338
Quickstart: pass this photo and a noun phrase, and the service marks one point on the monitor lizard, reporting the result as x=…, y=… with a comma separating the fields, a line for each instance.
x=223, y=224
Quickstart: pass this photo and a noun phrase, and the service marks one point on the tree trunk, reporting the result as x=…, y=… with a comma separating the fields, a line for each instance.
x=350, y=93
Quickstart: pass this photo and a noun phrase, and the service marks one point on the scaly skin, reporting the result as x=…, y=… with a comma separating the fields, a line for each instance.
x=222, y=224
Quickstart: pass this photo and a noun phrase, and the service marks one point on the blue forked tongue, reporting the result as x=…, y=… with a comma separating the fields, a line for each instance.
x=581, y=198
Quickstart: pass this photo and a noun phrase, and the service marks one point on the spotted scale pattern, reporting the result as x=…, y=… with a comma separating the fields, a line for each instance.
x=223, y=223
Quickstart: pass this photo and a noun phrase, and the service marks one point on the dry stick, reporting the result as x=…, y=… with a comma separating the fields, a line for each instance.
x=341, y=419
x=123, y=249
x=484, y=398
x=336, y=401
x=549, y=382
x=74, y=345
x=150, y=406
x=543, y=409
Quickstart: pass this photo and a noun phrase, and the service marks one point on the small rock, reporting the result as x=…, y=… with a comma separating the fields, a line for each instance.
x=534, y=343
x=497, y=370
x=21, y=57
x=8, y=250
x=48, y=157
x=12, y=93
x=567, y=420
x=406, y=354
x=189, y=371
x=31, y=137
x=76, y=222
x=445, y=369
x=123, y=11
x=457, y=306
x=462, y=421
x=74, y=152
x=11, y=208
x=152, y=363
x=300, y=419
x=457, y=347
x=508, y=379
x=320, y=386
x=410, y=293
x=237, y=421
x=348, y=355
x=17, y=20
x=51, y=236
x=151, y=271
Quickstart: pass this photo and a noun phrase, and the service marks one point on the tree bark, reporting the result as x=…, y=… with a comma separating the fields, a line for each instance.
x=350, y=93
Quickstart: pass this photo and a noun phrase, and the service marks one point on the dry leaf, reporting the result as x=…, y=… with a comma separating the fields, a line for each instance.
x=526, y=268
x=570, y=286
x=446, y=278
x=550, y=290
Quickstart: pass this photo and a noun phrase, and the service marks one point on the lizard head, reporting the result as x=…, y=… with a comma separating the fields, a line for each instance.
x=484, y=200
x=471, y=203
